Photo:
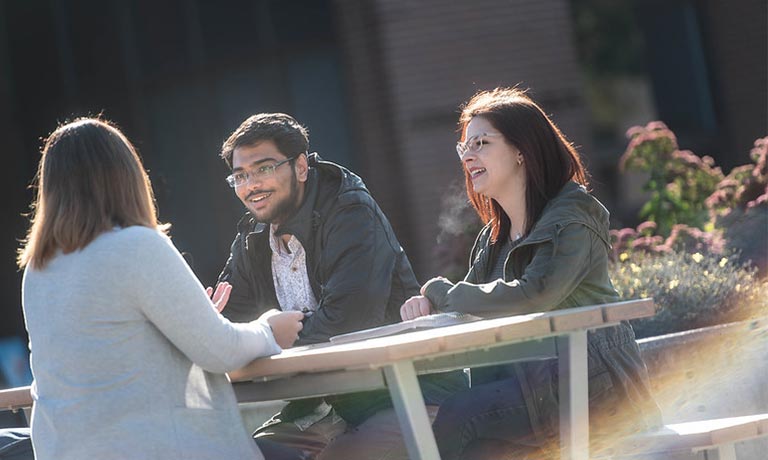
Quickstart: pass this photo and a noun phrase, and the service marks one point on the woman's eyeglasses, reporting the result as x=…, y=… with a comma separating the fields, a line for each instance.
x=473, y=144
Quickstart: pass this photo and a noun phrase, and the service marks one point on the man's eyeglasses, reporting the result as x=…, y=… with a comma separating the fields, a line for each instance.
x=473, y=144
x=236, y=179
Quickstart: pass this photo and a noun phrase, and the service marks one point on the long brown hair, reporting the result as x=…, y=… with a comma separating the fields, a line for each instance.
x=549, y=159
x=89, y=180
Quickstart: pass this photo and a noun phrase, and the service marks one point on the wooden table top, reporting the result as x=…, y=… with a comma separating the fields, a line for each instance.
x=380, y=351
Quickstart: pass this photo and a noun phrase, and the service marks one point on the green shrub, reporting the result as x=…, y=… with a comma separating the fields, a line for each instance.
x=692, y=206
x=679, y=181
x=690, y=290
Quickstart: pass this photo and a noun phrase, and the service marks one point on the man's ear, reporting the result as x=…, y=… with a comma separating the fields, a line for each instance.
x=302, y=168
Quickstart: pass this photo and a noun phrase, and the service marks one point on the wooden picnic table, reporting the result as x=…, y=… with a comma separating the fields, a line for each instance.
x=393, y=362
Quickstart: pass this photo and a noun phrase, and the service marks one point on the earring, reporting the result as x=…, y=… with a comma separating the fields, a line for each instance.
x=519, y=161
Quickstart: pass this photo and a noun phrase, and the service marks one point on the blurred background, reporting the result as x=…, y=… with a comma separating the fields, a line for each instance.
x=377, y=82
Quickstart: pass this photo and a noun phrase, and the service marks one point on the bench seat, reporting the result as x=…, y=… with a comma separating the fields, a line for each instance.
x=715, y=438
x=15, y=398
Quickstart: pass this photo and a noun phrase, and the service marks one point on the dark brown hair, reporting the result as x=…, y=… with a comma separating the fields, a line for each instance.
x=90, y=179
x=290, y=137
x=550, y=161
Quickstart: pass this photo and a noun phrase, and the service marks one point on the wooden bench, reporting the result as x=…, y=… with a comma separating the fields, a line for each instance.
x=14, y=399
x=716, y=439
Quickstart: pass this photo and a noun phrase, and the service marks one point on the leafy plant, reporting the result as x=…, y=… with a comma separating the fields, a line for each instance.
x=690, y=290
x=703, y=251
x=682, y=238
x=693, y=207
x=746, y=187
x=679, y=181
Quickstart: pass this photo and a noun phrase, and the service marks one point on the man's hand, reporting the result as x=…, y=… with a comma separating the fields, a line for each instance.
x=285, y=325
x=415, y=307
x=221, y=296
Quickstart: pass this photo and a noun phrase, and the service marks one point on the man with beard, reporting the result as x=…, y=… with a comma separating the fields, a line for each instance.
x=314, y=240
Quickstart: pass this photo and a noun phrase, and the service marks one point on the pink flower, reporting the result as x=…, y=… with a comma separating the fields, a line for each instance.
x=625, y=233
x=687, y=157
x=647, y=226
x=647, y=242
x=634, y=131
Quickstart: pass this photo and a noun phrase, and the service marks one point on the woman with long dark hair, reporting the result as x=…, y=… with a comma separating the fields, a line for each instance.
x=128, y=350
x=544, y=247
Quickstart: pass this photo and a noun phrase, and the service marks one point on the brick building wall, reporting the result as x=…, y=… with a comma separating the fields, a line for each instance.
x=737, y=38
x=429, y=56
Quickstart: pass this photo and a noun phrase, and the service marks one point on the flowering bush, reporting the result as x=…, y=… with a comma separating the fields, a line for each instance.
x=746, y=187
x=740, y=208
x=690, y=290
x=681, y=238
x=701, y=253
x=693, y=206
x=679, y=181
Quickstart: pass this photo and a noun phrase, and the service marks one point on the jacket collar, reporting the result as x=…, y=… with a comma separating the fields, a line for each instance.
x=573, y=204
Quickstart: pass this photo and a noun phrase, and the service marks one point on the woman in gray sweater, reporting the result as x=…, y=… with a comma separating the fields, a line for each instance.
x=128, y=350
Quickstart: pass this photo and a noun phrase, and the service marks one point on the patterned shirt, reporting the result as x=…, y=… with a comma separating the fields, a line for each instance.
x=289, y=273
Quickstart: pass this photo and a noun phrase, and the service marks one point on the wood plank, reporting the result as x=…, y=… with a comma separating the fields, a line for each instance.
x=16, y=398
x=629, y=309
x=762, y=427
x=310, y=385
x=571, y=319
x=488, y=356
x=537, y=324
x=734, y=433
x=696, y=436
x=370, y=353
x=703, y=426
x=704, y=433
x=491, y=331
x=471, y=335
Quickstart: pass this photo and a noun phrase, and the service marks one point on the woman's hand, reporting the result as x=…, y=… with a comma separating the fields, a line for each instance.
x=437, y=278
x=285, y=325
x=221, y=296
x=415, y=307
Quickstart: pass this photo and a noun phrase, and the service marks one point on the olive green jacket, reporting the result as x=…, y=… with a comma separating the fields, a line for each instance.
x=561, y=263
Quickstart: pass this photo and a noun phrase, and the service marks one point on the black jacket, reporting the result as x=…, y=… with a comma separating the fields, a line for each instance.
x=358, y=271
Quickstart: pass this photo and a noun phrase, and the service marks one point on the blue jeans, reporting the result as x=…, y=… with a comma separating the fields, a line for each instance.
x=488, y=421
x=15, y=444
x=331, y=438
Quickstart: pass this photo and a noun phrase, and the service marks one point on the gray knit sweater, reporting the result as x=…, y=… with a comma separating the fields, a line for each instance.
x=128, y=356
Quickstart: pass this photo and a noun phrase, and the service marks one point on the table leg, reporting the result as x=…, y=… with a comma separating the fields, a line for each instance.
x=574, y=399
x=411, y=411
